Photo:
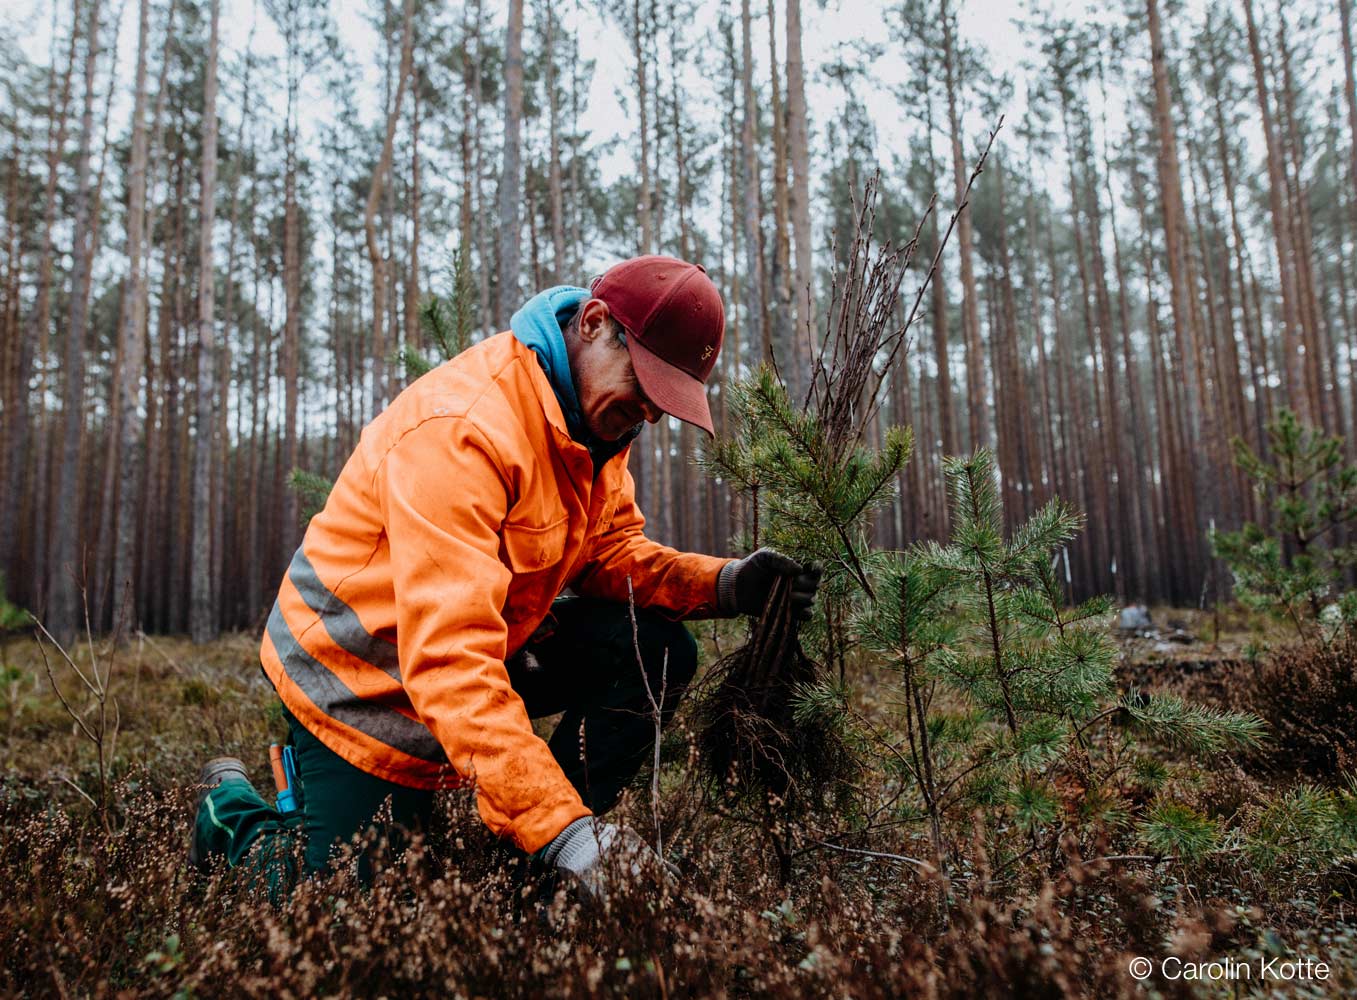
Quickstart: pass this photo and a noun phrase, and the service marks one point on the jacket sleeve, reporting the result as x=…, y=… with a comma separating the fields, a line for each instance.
x=677, y=584
x=450, y=586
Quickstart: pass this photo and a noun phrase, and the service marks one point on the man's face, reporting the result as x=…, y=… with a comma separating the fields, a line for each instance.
x=611, y=398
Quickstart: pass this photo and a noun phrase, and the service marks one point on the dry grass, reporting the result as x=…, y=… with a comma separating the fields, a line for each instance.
x=95, y=913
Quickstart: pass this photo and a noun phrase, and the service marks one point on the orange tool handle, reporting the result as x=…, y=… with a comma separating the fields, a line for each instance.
x=276, y=760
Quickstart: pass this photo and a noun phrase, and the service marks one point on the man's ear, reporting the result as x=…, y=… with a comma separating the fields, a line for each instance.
x=594, y=316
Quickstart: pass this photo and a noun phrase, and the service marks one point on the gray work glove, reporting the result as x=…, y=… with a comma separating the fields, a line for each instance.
x=743, y=586
x=594, y=852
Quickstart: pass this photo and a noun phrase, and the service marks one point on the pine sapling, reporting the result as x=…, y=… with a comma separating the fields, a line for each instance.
x=1010, y=699
x=1298, y=567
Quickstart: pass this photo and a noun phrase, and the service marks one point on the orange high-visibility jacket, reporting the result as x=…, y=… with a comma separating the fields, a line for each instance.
x=464, y=511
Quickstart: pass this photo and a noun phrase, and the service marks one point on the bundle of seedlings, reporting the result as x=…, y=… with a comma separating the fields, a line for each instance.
x=774, y=730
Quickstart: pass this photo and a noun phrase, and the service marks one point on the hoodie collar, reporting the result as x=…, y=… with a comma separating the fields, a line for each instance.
x=539, y=325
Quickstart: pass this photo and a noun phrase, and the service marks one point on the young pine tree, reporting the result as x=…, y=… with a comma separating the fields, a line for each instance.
x=1296, y=570
x=1010, y=697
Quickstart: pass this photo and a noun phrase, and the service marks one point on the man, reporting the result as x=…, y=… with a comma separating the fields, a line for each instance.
x=418, y=628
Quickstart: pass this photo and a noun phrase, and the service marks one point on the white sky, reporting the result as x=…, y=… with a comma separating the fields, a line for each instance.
x=827, y=31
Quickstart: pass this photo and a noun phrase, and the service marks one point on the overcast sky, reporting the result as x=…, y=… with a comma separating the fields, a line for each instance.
x=829, y=34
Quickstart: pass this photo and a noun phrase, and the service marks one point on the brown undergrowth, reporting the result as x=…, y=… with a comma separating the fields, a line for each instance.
x=103, y=915
x=95, y=911
x=1307, y=695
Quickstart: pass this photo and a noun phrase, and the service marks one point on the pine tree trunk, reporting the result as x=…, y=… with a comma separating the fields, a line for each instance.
x=576, y=237
x=1261, y=392
x=63, y=611
x=286, y=526
x=202, y=615
x=661, y=465
x=554, y=193
x=96, y=504
x=1200, y=422
x=1175, y=492
x=26, y=583
x=259, y=360
x=1350, y=100
x=510, y=182
x=757, y=310
x=465, y=231
x=804, y=337
x=731, y=353
x=174, y=575
x=484, y=256
x=1066, y=485
x=226, y=473
x=781, y=278
x=132, y=337
x=643, y=196
x=977, y=406
x=1016, y=390
x=1302, y=240
x=534, y=245
x=1138, y=486
x=1046, y=462
x=938, y=303
x=1224, y=336
x=11, y=386
x=696, y=490
x=657, y=203
x=1096, y=479
x=375, y=256
x=1123, y=530
x=413, y=341
x=1281, y=227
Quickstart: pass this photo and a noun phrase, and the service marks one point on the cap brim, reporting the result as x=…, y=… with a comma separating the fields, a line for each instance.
x=671, y=389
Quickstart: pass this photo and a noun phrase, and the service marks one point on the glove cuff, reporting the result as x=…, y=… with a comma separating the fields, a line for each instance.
x=571, y=844
x=725, y=587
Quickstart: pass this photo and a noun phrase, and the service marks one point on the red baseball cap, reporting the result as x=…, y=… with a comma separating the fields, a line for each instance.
x=675, y=323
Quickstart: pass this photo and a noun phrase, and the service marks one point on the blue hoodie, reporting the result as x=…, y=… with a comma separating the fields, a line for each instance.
x=540, y=326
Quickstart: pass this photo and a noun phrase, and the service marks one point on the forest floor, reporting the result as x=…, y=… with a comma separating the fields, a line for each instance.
x=97, y=901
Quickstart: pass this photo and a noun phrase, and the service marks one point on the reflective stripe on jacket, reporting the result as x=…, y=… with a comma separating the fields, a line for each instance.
x=464, y=511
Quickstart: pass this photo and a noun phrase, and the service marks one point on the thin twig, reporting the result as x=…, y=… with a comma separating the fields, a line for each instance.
x=83, y=794
x=1126, y=857
x=901, y=858
x=64, y=655
x=143, y=637
x=51, y=677
x=656, y=711
x=942, y=245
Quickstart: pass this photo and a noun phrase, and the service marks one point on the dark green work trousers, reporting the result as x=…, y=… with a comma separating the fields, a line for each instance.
x=582, y=662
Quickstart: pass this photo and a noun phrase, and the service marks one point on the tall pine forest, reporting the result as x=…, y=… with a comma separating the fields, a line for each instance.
x=223, y=221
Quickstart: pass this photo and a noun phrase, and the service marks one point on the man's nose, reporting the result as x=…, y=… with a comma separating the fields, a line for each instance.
x=651, y=411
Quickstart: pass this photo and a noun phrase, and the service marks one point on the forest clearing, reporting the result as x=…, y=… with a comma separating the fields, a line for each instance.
x=693, y=499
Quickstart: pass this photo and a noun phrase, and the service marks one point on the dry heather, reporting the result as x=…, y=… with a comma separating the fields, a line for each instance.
x=95, y=908
x=101, y=915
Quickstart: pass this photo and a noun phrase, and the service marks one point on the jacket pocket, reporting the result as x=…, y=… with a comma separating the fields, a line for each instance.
x=532, y=547
x=534, y=552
